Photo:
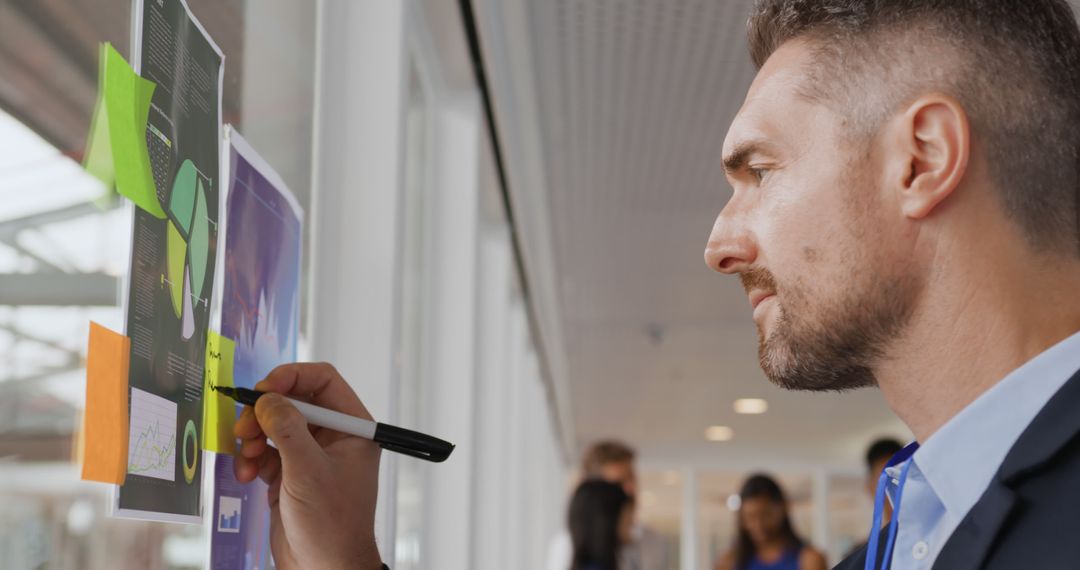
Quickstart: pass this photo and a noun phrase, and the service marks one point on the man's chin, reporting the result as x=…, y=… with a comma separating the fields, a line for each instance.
x=794, y=383
x=766, y=330
x=808, y=374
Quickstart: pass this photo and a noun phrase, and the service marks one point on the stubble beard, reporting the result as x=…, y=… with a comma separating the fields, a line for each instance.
x=822, y=344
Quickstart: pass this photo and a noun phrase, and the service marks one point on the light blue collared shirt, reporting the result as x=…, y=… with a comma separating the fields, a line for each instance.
x=950, y=472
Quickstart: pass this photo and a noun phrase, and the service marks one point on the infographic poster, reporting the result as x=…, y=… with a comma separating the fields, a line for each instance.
x=172, y=264
x=260, y=311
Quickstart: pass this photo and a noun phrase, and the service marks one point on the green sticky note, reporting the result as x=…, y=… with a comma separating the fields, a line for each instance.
x=116, y=149
x=219, y=411
x=99, y=160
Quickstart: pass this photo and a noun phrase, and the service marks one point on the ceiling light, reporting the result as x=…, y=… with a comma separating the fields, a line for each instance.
x=734, y=502
x=751, y=406
x=719, y=433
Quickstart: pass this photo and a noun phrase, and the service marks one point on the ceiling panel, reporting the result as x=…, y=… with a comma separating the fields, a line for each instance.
x=633, y=100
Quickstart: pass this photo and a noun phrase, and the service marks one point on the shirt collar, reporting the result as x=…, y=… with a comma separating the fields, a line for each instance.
x=961, y=458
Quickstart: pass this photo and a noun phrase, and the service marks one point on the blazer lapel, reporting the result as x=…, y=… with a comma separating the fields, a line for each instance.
x=1044, y=437
x=1050, y=431
x=971, y=541
x=857, y=561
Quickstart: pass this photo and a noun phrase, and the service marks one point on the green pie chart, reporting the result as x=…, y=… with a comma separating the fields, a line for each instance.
x=176, y=252
x=187, y=243
x=182, y=199
x=199, y=243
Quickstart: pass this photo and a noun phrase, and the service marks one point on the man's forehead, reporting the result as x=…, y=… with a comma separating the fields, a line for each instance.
x=775, y=89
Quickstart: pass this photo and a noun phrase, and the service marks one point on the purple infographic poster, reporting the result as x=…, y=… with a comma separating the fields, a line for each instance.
x=260, y=311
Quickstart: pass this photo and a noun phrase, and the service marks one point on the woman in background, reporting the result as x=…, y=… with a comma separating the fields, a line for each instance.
x=766, y=539
x=601, y=516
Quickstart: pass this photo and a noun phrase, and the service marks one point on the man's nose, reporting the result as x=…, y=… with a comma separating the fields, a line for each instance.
x=731, y=248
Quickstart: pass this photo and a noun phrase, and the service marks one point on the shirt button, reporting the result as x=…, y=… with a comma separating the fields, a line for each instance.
x=920, y=550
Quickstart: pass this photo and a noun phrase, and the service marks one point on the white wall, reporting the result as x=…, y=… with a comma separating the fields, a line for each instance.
x=499, y=498
x=358, y=103
x=453, y=398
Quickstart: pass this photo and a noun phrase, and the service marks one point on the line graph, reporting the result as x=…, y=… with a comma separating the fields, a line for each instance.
x=152, y=444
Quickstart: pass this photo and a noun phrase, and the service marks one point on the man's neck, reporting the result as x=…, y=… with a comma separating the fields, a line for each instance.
x=968, y=334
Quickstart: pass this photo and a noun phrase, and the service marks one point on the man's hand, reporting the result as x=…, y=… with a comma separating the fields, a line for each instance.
x=323, y=483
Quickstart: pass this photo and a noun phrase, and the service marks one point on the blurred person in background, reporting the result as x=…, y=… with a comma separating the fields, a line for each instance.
x=600, y=519
x=766, y=539
x=613, y=461
x=877, y=456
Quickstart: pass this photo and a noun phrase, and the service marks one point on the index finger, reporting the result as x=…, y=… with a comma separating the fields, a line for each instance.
x=316, y=382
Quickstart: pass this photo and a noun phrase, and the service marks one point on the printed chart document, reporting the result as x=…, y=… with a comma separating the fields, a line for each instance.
x=260, y=312
x=172, y=264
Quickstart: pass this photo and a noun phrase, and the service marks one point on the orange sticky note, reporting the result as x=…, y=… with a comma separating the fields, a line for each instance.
x=104, y=438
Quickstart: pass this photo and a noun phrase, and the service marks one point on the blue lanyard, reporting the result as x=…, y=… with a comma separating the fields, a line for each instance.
x=879, y=509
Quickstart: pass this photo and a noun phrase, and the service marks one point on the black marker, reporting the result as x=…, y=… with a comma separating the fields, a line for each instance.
x=388, y=437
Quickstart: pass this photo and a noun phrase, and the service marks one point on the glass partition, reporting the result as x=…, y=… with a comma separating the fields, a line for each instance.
x=63, y=250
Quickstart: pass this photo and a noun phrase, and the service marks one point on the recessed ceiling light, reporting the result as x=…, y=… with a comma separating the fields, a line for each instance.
x=719, y=433
x=751, y=406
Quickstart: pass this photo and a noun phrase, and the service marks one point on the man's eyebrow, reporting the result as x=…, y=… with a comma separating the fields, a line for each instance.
x=737, y=159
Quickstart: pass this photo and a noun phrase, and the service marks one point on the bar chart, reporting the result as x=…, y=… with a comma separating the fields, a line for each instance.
x=228, y=516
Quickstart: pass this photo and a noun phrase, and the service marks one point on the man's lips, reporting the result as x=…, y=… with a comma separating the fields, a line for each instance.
x=759, y=295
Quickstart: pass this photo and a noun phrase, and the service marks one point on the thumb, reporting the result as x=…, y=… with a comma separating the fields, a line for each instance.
x=283, y=423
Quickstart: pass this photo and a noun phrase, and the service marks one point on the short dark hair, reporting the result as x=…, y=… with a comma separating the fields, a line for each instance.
x=604, y=453
x=1014, y=66
x=883, y=448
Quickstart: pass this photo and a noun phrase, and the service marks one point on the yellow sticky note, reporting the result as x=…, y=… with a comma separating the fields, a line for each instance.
x=103, y=440
x=117, y=153
x=219, y=411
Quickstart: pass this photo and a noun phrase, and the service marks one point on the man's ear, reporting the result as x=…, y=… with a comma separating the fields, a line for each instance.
x=932, y=138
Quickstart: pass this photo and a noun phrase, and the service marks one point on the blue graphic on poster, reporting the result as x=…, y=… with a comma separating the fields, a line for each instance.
x=260, y=311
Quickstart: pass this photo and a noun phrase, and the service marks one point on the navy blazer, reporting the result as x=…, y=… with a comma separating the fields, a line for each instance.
x=1029, y=516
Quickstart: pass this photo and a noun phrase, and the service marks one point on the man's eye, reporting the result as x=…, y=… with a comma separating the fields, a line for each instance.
x=758, y=174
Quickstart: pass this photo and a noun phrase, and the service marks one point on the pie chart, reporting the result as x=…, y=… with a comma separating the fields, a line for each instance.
x=187, y=244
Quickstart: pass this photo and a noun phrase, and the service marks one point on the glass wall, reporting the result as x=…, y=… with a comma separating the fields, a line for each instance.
x=63, y=251
x=460, y=352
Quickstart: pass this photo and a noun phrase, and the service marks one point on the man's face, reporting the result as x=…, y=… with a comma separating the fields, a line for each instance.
x=621, y=474
x=809, y=231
